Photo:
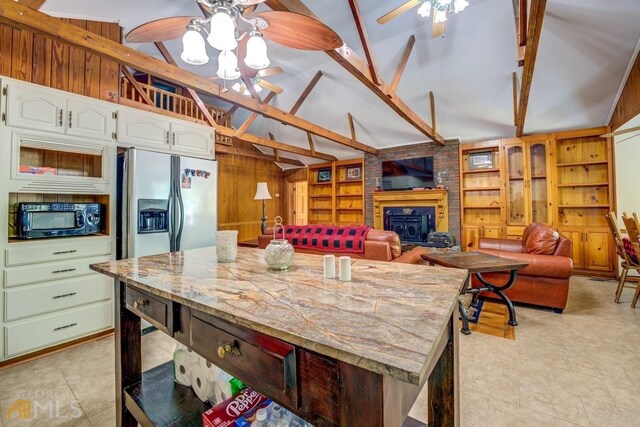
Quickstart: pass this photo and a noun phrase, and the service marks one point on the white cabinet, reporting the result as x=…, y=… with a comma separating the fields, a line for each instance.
x=42, y=108
x=138, y=128
x=143, y=129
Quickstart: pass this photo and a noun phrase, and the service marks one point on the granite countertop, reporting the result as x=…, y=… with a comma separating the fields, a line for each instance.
x=387, y=319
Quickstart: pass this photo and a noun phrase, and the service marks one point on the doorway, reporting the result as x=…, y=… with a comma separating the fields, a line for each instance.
x=300, y=203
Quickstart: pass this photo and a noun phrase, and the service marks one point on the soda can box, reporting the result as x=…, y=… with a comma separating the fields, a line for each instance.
x=225, y=413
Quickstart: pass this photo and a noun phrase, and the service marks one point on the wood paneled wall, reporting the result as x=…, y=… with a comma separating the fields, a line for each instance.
x=40, y=60
x=629, y=103
x=237, y=180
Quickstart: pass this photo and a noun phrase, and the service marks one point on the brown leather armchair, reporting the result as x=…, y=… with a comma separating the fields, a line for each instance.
x=545, y=282
x=380, y=245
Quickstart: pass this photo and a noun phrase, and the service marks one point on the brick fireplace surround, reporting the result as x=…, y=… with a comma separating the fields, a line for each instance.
x=445, y=158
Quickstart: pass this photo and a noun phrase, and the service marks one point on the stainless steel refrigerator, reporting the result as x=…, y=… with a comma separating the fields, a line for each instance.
x=167, y=203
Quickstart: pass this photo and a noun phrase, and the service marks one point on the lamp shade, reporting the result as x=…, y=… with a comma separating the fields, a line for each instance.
x=228, y=65
x=256, y=53
x=262, y=192
x=222, y=34
x=193, y=48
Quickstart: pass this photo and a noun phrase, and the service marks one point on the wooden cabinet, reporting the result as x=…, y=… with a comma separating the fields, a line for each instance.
x=144, y=129
x=336, y=193
x=53, y=111
x=592, y=250
x=473, y=233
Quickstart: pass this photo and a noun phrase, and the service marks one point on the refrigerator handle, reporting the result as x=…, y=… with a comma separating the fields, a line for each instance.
x=180, y=206
x=171, y=209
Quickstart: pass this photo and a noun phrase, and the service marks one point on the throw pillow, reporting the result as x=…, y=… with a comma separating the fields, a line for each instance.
x=542, y=241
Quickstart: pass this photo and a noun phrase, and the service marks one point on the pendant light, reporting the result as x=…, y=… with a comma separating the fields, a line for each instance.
x=193, y=48
x=228, y=65
x=222, y=31
x=256, y=52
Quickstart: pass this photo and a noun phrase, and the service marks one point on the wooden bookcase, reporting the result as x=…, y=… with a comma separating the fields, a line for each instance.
x=561, y=179
x=338, y=200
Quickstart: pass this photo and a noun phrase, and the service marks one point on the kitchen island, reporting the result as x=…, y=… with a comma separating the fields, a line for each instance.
x=336, y=353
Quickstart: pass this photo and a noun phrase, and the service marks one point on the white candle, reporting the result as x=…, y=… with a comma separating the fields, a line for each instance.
x=345, y=268
x=329, y=266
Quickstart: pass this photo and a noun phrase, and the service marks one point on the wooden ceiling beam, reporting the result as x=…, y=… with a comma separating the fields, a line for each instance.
x=364, y=39
x=17, y=16
x=33, y=4
x=224, y=149
x=253, y=139
x=311, y=146
x=192, y=93
x=351, y=126
x=432, y=103
x=359, y=69
x=229, y=113
x=305, y=93
x=514, y=84
x=243, y=128
x=136, y=86
x=403, y=62
x=533, y=39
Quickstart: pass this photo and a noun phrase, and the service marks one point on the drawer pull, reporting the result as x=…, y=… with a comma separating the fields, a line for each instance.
x=66, y=270
x=59, y=328
x=226, y=348
x=65, y=252
x=139, y=304
x=65, y=295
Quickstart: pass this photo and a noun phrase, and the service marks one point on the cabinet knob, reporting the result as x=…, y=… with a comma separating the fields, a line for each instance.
x=139, y=304
x=226, y=348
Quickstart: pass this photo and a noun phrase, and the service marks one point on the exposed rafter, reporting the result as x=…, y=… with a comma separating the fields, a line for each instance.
x=136, y=86
x=243, y=128
x=403, y=62
x=33, y=4
x=229, y=113
x=311, y=146
x=17, y=16
x=359, y=69
x=364, y=39
x=514, y=83
x=432, y=104
x=307, y=90
x=533, y=38
x=351, y=126
x=256, y=154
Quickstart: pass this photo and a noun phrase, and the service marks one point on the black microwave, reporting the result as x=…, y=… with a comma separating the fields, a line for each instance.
x=39, y=220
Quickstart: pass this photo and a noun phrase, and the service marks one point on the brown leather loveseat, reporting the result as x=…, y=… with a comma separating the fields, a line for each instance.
x=380, y=245
x=545, y=281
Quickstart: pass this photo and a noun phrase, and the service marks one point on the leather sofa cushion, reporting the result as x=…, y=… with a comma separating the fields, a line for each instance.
x=390, y=237
x=541, y=240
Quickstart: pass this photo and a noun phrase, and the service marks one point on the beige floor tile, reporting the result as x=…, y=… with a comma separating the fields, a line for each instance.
x=52, y=406
x=474, y=408
x=507, y=414
x=553, y=400
x=582, y=385
x=564, y=423
x=504, y=386
x=602, y=414
x=627, y=397
x=106, y=418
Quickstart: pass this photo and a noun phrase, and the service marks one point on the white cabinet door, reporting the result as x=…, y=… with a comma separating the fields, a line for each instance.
x=91, y=119
x=35, y=108
x=191, y=138
x=142, y=128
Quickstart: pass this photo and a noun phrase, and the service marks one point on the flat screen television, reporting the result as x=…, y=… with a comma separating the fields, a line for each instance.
x=407, y=174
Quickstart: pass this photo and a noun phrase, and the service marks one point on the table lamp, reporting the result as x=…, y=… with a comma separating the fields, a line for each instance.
x=262, y=193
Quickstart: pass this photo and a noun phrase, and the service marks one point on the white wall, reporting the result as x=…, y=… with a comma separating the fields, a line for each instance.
x=627, y=152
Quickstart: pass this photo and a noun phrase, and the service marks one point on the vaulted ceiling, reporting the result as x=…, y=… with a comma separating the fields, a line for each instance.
x=585, y=49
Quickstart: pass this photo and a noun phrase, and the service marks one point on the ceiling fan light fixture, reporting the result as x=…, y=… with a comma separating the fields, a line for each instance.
x=222, y=31
x=256, y=52
x=425, y=9
x=460, y=5
x=228, y=66
x=194, y=51
x=440, y=16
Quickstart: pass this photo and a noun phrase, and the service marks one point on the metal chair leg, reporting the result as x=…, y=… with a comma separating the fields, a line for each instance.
x=623, y=278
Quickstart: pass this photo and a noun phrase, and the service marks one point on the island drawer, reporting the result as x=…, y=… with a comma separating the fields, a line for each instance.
x=154, y=309
x=266, y=363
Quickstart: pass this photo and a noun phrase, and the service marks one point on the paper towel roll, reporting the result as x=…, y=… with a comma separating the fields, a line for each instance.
x=222, y=385
x=182, y=367
x=202, y=386
x=209, y=368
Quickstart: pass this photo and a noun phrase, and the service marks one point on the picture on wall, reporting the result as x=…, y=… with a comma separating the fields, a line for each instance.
x=482, y=160
x=324, y=175
x=354, y=173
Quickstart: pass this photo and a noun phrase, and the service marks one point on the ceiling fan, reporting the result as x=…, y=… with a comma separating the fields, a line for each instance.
x=232, y=25
x=438, y=8
x=257, y=80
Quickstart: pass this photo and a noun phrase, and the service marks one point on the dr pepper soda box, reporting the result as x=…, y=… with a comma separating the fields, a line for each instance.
x=225, y=413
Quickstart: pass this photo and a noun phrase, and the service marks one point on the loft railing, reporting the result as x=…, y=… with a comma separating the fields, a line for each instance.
x=175, y=103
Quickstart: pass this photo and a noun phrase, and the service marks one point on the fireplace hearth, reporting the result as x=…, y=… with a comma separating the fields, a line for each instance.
x=411, y=224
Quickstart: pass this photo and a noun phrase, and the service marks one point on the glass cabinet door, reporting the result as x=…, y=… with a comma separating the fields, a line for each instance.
x=516, y=214
x=538, y=162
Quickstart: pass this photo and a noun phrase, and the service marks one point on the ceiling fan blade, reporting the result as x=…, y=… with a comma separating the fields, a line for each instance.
x=620, y=132
x=398, y=11
x=438, y=29
x=299, y=31
x=159, y=30
x=270, y=71
x=248, y=10
x=272, y=87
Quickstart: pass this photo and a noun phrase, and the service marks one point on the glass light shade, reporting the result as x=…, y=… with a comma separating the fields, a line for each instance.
x=222, y=32
x=257, y=87
x=460, y=5
x=444, y=2
x=440, y=16
x=193, y=48
x=256, y=53
x=228, y=65
x=425, y=10
x=262, y=192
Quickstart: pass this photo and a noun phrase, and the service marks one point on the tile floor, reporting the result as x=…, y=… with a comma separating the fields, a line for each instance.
x=579, y=368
